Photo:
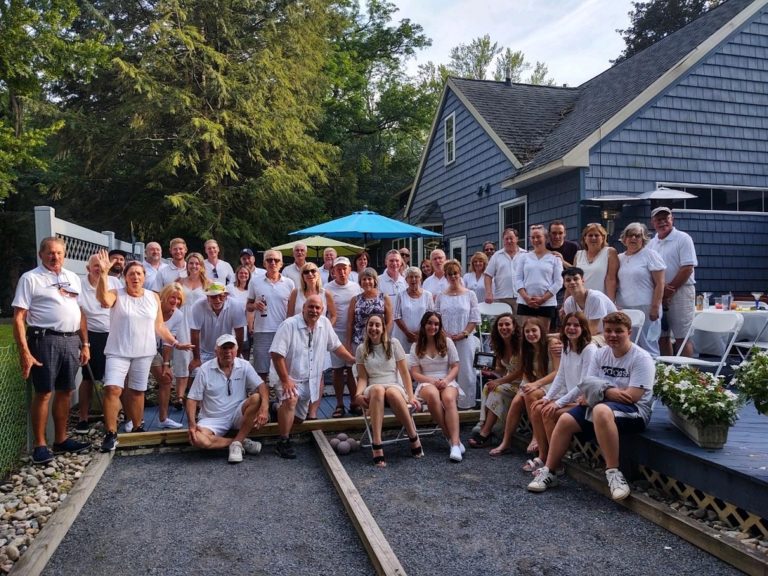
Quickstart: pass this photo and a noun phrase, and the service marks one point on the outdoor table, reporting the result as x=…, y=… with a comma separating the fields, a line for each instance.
x=711, y=344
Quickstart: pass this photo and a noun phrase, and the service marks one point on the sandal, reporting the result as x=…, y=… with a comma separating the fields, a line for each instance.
x=378, y=461
x=340, y=412
x=533, y=465
x=477, y=440
x=499, y=451
x=416, y=451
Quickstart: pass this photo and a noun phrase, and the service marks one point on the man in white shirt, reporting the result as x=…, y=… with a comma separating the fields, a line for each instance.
x=209, y=319
x=298, y=357
x=248, y=260
x=437, y=282
x=153, y=263
x=293, y=271
x=176, y=268
x=626, y=373
x=594, y=304
x=500, y=272
x=52, y=339
x=679, y=301
x=326, y=272
x=97, y=321
x=342, y=290
x=391, y=282
x=217, y=270
x=268, y=297
x=231, y=396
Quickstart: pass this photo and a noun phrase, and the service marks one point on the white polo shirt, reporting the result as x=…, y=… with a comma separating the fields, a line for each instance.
x=293, y=272
x=276, y=295
x=51, y=299
x=391, y=287
x=167, y=274
x=96, y=316
x=435, y=285
x=150, y=273
x=677, y=250
x=210, y=388
x=501, y=268
x=224, y=272
x=212, y=326
x=304, y=352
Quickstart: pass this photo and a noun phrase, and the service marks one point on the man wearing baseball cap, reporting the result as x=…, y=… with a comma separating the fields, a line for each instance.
x=211, y=318
x=679, y=301
x=231, y=397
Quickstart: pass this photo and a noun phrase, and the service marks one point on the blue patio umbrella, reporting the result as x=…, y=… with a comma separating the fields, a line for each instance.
x=367, y=225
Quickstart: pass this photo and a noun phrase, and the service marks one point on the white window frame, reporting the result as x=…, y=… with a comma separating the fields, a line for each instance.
x=461, y=243
x=522, y=235
x=687, y=187
x=449, y=144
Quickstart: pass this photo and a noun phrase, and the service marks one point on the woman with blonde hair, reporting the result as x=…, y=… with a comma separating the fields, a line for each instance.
x=599, y=261
x=475, y=278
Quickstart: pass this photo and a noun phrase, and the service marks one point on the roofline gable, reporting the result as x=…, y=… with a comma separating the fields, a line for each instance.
x=578, y=156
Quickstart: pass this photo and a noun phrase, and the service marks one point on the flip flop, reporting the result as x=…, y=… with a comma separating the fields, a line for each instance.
x=340, y=412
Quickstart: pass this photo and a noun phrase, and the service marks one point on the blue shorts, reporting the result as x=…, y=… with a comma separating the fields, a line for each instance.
x=628, y=419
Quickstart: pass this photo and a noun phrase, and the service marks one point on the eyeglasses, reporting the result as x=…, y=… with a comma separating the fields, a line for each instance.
x=215, y=272
x=65, y=288
x=633, y=235
x=453, y=274
x=405, y=254
x=272, y=260
x=218, y=296
x=310, y=272
x=229, y=386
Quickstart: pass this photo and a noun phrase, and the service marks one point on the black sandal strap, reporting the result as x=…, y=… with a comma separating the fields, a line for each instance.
x=414, y=439
x=377, y=446
x=378, y=459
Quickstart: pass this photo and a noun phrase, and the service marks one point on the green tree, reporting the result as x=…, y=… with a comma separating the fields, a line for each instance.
x=652, y=21
x=510, y=64
x=539, y=75
x=473, y=60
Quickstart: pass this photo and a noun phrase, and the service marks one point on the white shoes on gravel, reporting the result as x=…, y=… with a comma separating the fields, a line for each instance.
x=542, y=480
x=235, y=452
x=617, y=484
x=456, y=453
x=170, y=423
x=252, y=447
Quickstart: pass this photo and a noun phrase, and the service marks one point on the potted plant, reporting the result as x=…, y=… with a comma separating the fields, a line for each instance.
x=699, y=405
x=751, y=379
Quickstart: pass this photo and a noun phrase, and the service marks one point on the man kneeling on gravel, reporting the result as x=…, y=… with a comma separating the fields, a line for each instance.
x=625, y=374
x=232, y=396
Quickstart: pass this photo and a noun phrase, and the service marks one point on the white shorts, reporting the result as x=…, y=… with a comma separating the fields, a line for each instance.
x=220, y=426
x=305, y=395
x=337, y=362
x=137, y=370
x=680, y=312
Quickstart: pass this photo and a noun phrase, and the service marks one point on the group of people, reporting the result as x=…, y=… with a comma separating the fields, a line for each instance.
x=247, y=337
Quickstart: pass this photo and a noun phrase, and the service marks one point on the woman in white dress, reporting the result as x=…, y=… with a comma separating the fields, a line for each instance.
x=135, y=318
x=641, y=283
x=410, y=306
x=238, y=295
x=194, y=285
x=599, y=261
x=434, y=364
x=458, y=307
x=475, y=279
x=379, y=361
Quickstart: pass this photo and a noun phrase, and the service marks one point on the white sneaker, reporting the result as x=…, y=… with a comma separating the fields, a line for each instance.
x=235, y=452
x=170, y=423
x=128, y=426
x=617, y=484
x=252, y=447
x=462, y=448
x=542, y=480
x=456, y=454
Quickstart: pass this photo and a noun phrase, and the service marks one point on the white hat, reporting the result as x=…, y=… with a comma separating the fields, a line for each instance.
x=225, y=339
x=215, y=289
x=341, y=260
x=659, y=210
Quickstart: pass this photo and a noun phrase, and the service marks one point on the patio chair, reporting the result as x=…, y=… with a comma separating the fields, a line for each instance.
x=759, y=342
x=490, y=311
x=726, y=324
x=638, y=319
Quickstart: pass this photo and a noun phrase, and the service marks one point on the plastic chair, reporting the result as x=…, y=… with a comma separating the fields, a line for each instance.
x=638, y=319
x=726, y=324
x=758, y=342
x=490, y=311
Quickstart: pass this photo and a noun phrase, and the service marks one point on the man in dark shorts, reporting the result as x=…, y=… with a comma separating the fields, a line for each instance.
x=628, y=372
x=52, y=339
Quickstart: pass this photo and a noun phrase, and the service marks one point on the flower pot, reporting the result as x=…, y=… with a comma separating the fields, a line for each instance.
x=711, y=436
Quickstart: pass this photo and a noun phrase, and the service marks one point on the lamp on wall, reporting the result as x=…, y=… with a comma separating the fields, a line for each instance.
x=609, y=216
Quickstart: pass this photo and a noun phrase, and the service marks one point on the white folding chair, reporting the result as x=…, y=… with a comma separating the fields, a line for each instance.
x=726, y=324
x=758, y=342
x=638, y=319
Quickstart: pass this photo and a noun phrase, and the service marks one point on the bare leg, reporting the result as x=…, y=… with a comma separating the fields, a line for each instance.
x=607, y=434
x=84, y=393
x=537, y=425
x=133, y=406
x=431, y=396
x=565, y=428
x=111, y=407
x=513, y=419
x=61, y=403
x=400, y=408
x=449, y=397
x=376, y=409
x=39, y=413
x=338, y=386
x=665, y=346
x=163, y=392
x=181, y=387
x=250, y=412
x=285, y=416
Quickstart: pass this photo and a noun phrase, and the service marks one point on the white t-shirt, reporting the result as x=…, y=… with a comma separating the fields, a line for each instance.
x=596, y=307
x=435, y=285
x=572, y=370
x=293, y=272
x=150, y=273
x=501, y=267
x=276, y=295
x=341, y=297
x=676, y=250
x=635, y=280
x=168, y=274
x=210, y=388
x=633, y=370
x=539, y=275
x=304, y=351
x=211, y=325
x=477, y=285
x=224, y=273
x=51, y=299
x=96, y=316
x=132, y=325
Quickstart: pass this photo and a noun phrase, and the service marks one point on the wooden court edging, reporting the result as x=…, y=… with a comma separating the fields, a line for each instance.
x=379, y=551
x=696, y=533
x=45, y=544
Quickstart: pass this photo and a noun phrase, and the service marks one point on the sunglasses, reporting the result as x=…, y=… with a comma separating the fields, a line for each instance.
x=311, y=272
x=272, y=260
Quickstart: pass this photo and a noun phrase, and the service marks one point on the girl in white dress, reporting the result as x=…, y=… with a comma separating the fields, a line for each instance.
x=434, y=364
x=458, y=307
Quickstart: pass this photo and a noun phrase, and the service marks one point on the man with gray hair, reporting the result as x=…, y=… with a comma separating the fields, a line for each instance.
x=391, y=282
x=153, y=263
x=293, y=271
x=326, y=272
x=437, y=283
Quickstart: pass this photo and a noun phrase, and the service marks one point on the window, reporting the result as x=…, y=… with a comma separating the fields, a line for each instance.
x=426, y=245
x=512, y=214
x=727, y=199
x=449, y=135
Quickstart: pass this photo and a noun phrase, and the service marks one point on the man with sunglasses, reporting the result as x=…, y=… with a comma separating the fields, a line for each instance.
x=52, y=338
x=231, y=397
x=268, y=297
x=217, y=270
x=209, y=319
